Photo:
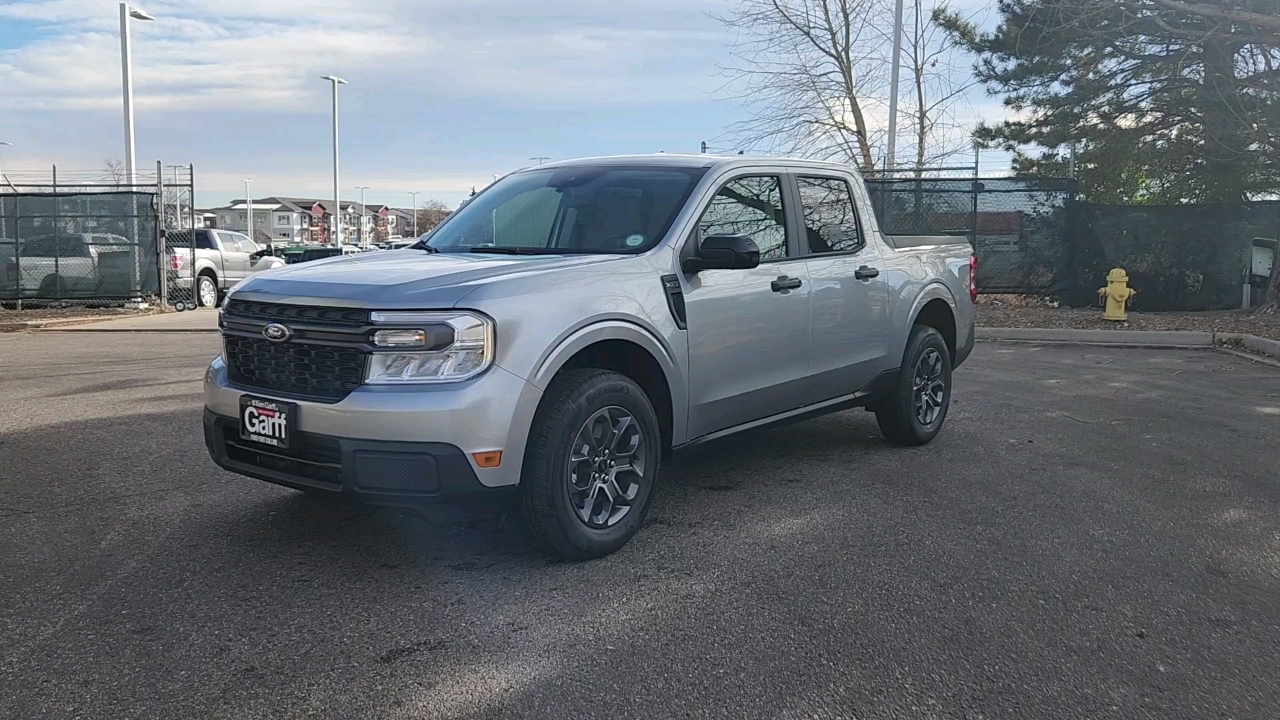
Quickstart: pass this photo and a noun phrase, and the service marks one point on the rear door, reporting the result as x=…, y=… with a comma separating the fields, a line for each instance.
x=851, y=329
x=748, y=330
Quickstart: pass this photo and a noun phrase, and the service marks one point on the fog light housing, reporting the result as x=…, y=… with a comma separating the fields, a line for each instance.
x=400, y=338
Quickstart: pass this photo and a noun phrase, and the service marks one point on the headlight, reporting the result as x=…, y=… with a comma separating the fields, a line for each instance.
x=455, y=346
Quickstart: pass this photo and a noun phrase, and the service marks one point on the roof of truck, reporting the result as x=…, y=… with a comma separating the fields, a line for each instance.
x=691, y=161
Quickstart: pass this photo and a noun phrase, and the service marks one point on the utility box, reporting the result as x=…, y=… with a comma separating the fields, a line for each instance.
x=1262, y=257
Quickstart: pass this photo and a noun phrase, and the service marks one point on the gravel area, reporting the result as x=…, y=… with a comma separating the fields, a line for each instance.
x=1014, y=311
x=12, y=315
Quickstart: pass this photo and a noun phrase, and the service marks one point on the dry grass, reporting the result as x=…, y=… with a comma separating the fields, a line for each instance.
x=1027, y=311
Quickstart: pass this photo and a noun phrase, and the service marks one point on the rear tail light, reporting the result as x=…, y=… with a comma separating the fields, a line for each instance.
x=973, y=278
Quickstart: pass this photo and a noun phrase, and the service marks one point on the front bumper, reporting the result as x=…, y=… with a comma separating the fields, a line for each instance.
x=430, y=478
x=492, y=412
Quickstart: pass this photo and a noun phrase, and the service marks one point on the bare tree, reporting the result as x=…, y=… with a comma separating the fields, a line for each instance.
x=939, y=82
x=807, y=71
x=815, y=74
x=113, y=170
x=431, y=213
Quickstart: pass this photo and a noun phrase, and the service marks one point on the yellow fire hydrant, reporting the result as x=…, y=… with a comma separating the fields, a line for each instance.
x=1116, y=295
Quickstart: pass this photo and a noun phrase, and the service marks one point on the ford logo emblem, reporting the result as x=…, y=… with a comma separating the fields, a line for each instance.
x=277, y=333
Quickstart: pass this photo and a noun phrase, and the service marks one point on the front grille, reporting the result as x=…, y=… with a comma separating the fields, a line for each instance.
x=295, y=369
x=312, y=457
x=310, y=314
x=287, y=465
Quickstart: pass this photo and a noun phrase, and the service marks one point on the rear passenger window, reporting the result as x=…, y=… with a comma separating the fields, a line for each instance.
x=750, y=206
x=830, y=222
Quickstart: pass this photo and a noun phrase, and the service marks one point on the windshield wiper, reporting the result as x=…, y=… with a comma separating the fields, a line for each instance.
x=424, y=246
x=500, y=250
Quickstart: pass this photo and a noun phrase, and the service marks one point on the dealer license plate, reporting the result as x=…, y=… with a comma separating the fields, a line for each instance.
x=269, y=422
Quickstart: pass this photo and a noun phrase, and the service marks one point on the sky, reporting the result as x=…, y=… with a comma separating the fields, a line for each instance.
x=443, y=93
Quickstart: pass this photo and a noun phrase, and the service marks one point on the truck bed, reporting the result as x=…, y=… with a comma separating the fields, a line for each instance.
x=903, y=242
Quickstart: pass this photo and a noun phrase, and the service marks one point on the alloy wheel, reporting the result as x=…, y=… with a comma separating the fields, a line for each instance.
x=606, y=467
x=929, y=388
x=208, y=293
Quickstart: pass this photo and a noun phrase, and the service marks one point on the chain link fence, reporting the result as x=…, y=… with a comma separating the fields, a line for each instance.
x=1018, y=226
x=87, y=244
x=1178, y=257
x=177, y=220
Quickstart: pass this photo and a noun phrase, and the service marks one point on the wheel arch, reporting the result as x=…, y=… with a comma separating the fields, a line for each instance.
x=631, y=350
x=936, y=308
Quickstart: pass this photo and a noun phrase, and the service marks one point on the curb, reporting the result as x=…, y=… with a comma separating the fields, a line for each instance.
x=106, y=331
x=1162, y=339
x=1114, y=338
x=1252, y=343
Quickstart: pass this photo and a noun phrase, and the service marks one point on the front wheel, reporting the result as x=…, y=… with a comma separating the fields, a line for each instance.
x=915, y=410
x=590, y=465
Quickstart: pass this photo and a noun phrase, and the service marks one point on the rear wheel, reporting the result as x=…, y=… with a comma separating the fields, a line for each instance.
x=207, y=291
x=53, y=288
x=914, y=412
x=590, y=466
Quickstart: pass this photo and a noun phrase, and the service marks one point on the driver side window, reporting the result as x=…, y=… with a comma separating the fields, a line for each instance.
x=750, y=206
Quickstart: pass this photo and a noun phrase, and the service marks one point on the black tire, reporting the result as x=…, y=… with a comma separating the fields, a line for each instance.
x=53, y=287
x=900, y=414
x=549, y=506
x=201, y=279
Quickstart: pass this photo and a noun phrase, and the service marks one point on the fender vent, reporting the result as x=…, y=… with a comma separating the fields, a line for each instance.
x=675, y=299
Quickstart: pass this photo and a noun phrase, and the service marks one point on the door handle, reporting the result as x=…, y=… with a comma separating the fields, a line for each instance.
x=784, y=284
x=865, y=273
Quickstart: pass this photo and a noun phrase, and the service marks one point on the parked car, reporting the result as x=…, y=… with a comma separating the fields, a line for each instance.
x=66, y=265
x=549, y=344
x=222, y=259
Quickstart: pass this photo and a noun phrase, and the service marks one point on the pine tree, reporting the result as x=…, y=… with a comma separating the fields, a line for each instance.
x=1169, y=101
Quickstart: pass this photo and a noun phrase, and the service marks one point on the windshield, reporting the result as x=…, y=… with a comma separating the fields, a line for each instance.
x=580, y=209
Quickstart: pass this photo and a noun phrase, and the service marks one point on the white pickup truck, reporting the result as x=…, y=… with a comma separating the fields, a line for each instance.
x=68, y=265
x=222, y=259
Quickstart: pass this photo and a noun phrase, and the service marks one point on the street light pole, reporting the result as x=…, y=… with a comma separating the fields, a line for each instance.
x=3, y=181
x=891, y=154
x=3, y=231
x=541, y=158
x=364, y=216
x=248, y=204
x=126, y=77
x=337, y=202
x=415, y=214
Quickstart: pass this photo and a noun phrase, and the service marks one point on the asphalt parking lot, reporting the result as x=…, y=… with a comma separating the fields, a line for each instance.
x=1095, y=534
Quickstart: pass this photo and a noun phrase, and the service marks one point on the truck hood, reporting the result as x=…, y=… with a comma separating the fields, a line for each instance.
x=397, y=279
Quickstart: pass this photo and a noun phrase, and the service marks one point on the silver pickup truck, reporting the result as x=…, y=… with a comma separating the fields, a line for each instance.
x=66, y=266
x=548, y=345
x=222, y=259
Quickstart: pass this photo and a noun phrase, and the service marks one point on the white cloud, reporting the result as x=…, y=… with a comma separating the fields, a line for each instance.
x=265, y=55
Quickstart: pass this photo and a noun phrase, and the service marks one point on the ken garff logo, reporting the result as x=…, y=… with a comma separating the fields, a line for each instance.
x=277, y=333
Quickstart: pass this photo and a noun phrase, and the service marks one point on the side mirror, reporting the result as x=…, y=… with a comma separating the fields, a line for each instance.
x=724, y=252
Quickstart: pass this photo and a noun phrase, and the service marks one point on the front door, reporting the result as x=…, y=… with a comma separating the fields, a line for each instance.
x=235, y=259
x=748, y=329
x=850, y=293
